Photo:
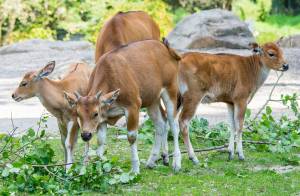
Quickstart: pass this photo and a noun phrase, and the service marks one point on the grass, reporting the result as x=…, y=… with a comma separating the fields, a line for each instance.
x=213, y=176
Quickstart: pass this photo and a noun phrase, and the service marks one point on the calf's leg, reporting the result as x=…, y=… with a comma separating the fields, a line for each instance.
x=101, y=136
x=132, y=127
x=70, y=142
x=169, y=97
x=239, y=114
x=159, y=123
x=232, y=131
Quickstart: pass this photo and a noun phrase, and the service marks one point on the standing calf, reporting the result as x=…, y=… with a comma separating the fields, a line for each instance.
x=51, y=95
x=143, y=72
x=228, y=78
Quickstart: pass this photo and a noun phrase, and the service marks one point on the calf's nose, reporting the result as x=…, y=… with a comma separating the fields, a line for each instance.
x=13, y=96
x=86, y=136
x=285, y=66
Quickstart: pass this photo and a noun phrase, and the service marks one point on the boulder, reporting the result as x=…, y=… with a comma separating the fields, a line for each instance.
x=214, y=28
x=292, y=41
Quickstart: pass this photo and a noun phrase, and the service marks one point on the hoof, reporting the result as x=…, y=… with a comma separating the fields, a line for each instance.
x=150, y=164
x=135, y=171
x=194, y=160
x=230, y=156
x=176, y=169
x=241, y=157
x=165, y=159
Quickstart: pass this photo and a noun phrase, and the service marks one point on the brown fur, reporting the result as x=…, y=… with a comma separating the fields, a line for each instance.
x=228, y=78
x=141, y=71
x=51, y=94
x=124, y=28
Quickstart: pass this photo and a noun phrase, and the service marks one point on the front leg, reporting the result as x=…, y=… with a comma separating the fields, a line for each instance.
x=70, y=142
x=101, y=135
x=239, y=114
x=132, y=126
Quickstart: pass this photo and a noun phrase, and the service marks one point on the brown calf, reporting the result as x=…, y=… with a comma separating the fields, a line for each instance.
x=228, y=78
x=51, y=94
x=123, y=81
x=123, y=28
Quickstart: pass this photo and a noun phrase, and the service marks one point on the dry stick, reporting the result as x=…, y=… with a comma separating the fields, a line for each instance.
x=270, y=96
x=11, y=134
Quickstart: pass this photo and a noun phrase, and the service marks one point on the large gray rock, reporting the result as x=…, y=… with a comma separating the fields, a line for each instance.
x=292, y=41
x=18, y=58
x=211, y=29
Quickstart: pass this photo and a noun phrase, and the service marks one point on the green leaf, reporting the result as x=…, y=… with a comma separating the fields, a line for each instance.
x=268, y=110
x=124, y=178
x=5, y=172
x=107, y=167
x=31, y=132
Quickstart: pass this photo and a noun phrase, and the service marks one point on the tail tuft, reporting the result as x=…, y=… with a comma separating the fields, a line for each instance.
x=171, y=50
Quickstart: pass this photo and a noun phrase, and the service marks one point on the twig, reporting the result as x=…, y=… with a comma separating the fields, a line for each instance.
x=53, y=174
x=269, y=98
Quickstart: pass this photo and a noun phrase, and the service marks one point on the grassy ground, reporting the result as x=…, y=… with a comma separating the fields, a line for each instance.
x=213, y=176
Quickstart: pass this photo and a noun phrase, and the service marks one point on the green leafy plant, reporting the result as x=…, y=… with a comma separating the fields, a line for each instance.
x=27, y=164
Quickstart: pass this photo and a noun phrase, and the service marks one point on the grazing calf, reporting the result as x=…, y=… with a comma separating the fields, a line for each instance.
x=123, y=28
x=123, y=81
x=51, y=95
x=228, y=78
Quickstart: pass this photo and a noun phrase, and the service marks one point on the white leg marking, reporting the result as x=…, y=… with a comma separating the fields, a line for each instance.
x=170, y=107
x=135, y=162
x=155, y=115
x=69, y=147
x=188, y=144
x=101, y=135
x=165, y=147
x=232, y=131
x=239, y=132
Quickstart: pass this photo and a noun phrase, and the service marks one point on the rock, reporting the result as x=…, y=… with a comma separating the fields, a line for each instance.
x=292, y=41
x=18, y=58
x=211, y=29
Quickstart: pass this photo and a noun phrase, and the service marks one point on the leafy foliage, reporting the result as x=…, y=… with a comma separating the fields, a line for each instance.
x=282, y=134
x=27, y=164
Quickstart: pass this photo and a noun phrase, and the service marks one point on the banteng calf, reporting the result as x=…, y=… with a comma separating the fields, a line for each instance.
x=51, y=95
x=228, y=78
x=123, y=81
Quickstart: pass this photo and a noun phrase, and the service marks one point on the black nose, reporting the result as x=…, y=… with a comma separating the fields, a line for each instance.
x=285, y=67
x=86, y=136
x=13, y=96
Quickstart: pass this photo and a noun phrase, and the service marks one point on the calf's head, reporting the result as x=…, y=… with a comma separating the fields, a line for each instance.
x=91, y=110
x=28, y=86
x=271, y=56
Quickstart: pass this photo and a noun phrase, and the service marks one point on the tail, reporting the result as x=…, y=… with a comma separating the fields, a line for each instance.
x=171, y=50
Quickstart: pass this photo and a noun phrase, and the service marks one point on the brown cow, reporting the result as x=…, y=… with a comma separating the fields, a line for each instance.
x=228, y=78
x=143, y=72
x=123, y=28
x=51, y=95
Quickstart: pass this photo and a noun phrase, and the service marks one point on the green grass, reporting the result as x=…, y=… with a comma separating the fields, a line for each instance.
x=213, y=176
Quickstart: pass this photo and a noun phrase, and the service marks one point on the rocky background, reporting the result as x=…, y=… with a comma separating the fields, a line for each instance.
x=209, y=31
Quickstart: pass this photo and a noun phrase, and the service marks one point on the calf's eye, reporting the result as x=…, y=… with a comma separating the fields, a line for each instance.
x=96, y=115
x=23, y=84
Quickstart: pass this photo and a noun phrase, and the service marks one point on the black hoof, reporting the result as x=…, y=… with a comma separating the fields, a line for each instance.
x=230, y=156
x=165, y=159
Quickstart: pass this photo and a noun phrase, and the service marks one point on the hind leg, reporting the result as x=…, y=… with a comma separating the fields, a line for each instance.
x=159, y=123
x=169, y=97
x=232, y=131
x=189, y=107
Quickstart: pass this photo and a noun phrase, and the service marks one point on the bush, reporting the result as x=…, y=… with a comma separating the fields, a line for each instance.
x=27, y=164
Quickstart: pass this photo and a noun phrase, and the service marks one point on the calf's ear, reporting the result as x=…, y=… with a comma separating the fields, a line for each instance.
x=110, y=97
x=45, y=71
x=279, y=40
x=71, y=99
x=256, y=49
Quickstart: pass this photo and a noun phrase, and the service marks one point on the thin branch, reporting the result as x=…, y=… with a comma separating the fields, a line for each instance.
x=270, y=96
x=53, y=174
